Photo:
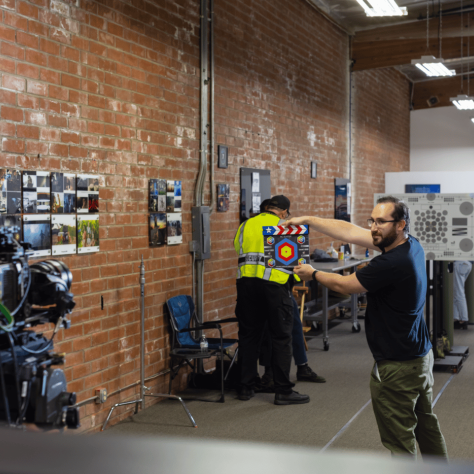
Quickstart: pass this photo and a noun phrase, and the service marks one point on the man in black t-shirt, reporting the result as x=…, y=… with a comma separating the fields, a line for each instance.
x=401, y=382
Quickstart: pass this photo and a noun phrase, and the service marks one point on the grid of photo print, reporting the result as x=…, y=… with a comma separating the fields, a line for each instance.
x=10, y=186
x=43, y=205
x=157, y=195
x=165, y=220
x=63, y=193
x=87, y=194
x=223, y=191
x=36, y=192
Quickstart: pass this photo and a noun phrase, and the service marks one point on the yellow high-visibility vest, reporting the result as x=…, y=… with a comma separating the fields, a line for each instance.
x=248, y=243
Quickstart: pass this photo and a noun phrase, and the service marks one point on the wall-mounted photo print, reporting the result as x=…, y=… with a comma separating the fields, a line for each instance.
x=157, y=195
x=10, y=191
x=87, y=234
x=169, y=203
x=173, y=196
x=12, y=221
x=36, y=192
x=87, y=193
x=63, y=193
x=157, y=228
x=174, y=228
x=37, y=232
x=63, y=234
x=223, y=197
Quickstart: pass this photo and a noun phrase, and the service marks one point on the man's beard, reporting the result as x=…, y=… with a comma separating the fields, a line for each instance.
x=386, y=241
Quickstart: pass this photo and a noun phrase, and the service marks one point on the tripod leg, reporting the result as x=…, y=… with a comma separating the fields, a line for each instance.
x=174, y=397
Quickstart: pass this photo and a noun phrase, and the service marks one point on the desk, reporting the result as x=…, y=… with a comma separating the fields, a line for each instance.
x=314, y=311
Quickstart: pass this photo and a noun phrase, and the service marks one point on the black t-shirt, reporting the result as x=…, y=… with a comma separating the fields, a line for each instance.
x=396, y=285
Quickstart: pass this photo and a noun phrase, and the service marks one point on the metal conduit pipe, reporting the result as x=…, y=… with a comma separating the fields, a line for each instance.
x=204, y=93
x=211, y=128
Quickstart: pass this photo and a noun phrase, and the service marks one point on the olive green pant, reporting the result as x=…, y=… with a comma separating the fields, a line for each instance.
x=402, y=397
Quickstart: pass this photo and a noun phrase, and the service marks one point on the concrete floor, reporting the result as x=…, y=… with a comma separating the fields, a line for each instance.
x=346, y=367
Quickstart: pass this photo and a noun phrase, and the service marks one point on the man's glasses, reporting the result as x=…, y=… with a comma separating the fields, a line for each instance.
x=378, y=222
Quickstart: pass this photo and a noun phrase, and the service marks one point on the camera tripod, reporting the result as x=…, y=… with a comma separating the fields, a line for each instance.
x=143, y=387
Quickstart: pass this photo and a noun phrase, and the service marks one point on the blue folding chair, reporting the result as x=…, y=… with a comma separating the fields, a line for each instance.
x=186, y=348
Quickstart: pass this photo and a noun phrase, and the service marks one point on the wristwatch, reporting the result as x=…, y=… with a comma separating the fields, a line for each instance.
x=313, y=276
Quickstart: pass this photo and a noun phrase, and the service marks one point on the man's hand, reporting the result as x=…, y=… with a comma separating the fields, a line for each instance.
x=305, y=272
x=296, y=221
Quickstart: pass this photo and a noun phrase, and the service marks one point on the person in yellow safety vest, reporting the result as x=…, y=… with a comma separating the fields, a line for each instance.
x=264, y=296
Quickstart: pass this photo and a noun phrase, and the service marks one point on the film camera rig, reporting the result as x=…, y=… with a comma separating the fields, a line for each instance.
x=32, y=390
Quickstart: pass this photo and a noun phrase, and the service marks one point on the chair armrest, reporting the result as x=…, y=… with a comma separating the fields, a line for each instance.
x=204, y=326
x=227, y=320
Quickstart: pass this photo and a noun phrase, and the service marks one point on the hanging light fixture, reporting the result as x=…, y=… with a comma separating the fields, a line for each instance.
x=463, y=101
x=382, y=8
x=431, y=66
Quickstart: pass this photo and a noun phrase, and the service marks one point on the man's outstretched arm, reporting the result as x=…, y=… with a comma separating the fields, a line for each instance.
x=337, y=229
x=340, y=283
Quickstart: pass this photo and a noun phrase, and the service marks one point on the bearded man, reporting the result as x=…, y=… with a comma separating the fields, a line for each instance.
x=401, y=382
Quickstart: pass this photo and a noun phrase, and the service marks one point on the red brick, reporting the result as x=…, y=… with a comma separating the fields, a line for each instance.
x=27, y=70
x=13, y=83
x=26, y=39
x=12, y=50
x=70, y=81
x=27, y=9
x=36, y=118
x=7, y=130
x=37, y=88
x=7, y=34
x=7, y=4
x=7, y=97
x=49, y=46
x=14, y=146
x=36, y=57
x=12, y=113
x=27, y=132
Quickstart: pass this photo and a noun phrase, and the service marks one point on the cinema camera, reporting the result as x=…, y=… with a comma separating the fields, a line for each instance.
x=31, y=389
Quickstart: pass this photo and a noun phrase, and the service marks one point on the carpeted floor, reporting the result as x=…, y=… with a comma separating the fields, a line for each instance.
x=346, y=367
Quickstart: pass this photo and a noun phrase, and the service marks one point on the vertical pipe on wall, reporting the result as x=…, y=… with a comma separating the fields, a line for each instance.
x=211, y=128
x=204, y=105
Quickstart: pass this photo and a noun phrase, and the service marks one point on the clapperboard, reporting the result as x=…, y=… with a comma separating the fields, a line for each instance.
x=285, y=247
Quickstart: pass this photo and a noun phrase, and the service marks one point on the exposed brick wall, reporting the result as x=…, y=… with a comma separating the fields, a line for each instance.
x=380, y=134
x=113, y=88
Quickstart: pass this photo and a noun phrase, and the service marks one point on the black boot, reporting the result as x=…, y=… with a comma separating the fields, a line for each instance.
x=293, y=398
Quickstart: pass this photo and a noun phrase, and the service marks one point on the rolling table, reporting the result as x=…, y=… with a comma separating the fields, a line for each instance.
x=319, y=311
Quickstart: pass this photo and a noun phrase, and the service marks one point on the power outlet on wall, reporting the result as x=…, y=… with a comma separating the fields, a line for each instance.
x=101, y=394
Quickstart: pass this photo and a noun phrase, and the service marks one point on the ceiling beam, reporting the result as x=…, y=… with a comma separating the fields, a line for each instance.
x=378, y=54
x=450, y=27
x=441, y=89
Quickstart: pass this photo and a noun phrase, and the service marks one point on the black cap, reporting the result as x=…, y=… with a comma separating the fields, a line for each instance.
x=280, y=201
x=264, y=205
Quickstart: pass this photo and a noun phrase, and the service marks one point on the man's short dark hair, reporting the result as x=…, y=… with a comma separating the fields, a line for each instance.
x=401, y=211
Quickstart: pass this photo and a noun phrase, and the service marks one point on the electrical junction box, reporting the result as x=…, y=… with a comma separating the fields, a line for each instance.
x=201, y=232
x=101, y=394
x=443, y=223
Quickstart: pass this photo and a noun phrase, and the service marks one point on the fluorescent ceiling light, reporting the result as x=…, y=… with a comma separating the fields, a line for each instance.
x=472, y=120
x=382, y=8
x=433, y=67
x=463, y=102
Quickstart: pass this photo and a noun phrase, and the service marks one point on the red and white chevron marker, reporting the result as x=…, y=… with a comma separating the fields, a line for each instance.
x=280, y=230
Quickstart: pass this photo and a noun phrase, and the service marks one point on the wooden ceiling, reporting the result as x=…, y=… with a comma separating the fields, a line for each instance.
x=395, y=41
